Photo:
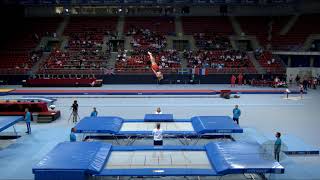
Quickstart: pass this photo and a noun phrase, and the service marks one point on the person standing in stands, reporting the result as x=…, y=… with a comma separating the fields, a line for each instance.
x=240, y=78
x=73, y=137
x=305, y=84
x=236, y=114
x=157, y=136
x=27, y=118
x=298, y=79
x=158, y=111
x=94, y=113
x=277, y=146
x=233, y=81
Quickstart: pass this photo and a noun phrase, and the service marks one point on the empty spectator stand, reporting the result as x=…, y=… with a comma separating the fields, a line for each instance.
x=159, y=25
x=210, y=25
x=209, y=32
x=297, y=35
x=260, y=26
x=270, y=63
x=14, y=108
x=17, y=54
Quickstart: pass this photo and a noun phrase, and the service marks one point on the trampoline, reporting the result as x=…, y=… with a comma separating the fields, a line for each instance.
x=82, y=160
x=9, y=121
x=130, y=130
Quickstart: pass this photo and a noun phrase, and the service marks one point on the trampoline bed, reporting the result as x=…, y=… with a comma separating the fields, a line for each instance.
x=87, y=159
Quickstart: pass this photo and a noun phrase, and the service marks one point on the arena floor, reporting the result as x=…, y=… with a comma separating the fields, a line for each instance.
x=264, y=113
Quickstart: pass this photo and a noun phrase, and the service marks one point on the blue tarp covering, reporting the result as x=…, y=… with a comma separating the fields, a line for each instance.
x=101, y=124
x=8, y=121
x=241, y=157
x=158, y=117
x=215, y=124
x=89, y=157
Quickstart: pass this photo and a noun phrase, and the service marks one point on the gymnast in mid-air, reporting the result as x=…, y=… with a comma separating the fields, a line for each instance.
x=155, y=68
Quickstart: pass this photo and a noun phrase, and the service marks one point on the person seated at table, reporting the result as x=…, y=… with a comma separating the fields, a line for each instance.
x=94, y=113
x=158, y=111
x=157, y=136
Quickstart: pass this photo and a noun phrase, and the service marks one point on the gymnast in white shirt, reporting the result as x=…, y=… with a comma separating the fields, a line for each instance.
x=157, y=136
x=158, y=111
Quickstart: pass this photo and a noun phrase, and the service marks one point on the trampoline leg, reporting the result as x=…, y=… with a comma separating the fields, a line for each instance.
x=249, y=176
x=197, y=140
x=15, y=132
x=117, y=140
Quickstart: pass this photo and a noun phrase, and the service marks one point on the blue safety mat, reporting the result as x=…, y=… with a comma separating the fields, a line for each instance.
x=215, y=124
x=241, y=157
x=101, y=124
x=297, y=146
x=293, y=145
x=158, y=117
x=88, y=157
x=8, y=121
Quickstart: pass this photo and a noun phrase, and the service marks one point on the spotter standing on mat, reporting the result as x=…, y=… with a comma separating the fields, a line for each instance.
x=155, y=68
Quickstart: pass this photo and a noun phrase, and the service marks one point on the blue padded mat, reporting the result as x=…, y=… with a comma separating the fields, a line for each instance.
x=215, y=124
x=8, y=121
x=101, y=124
x=158, y=117
x=298, y=146
x=89, y=157
x=241, y=157
x=294, y=145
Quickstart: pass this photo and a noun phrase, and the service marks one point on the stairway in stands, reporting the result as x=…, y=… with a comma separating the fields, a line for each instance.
x=62, y=26
x=235, y=25
x=289, y=25
x=178, y=26
x=44, y=40
x=120, y=25
x=256, y=63
x=36, y=66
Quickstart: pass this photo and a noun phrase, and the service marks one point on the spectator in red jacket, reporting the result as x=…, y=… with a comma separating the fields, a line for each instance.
x=240, y=78
x=233, y=81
